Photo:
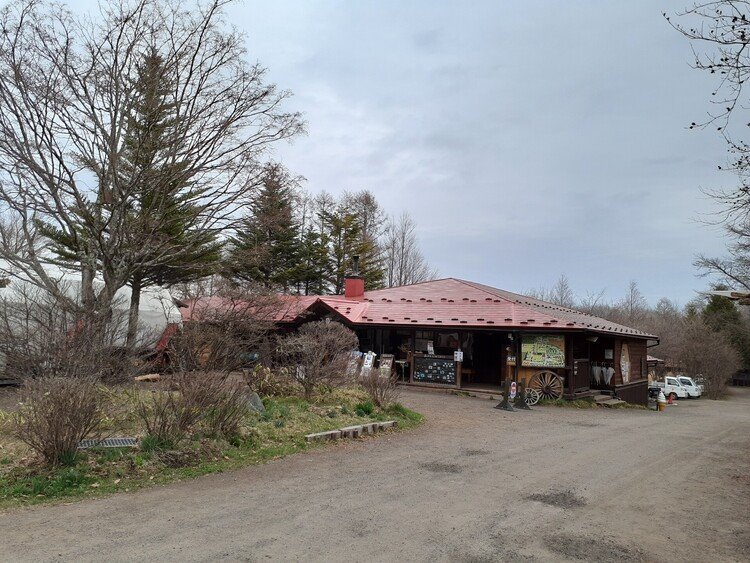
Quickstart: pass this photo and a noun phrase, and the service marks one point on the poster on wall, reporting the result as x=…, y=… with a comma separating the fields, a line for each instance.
x=625, y=363
x=543, y=351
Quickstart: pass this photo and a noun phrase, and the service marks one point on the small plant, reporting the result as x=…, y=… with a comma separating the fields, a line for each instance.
x=332, y=413
x=152, y=443
x=279, y=423
x=400, y=410
x=166, y=416
x=55, y=415
x=366, y=408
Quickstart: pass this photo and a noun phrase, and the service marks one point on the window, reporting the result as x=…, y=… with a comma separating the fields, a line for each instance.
x=686, y=381
x=671, y=381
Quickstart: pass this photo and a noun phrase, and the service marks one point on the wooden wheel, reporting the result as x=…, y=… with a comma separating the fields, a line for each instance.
x=532, y=397
x=548, y=384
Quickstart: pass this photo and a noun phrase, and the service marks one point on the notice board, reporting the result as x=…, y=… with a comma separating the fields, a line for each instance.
x=435, y=369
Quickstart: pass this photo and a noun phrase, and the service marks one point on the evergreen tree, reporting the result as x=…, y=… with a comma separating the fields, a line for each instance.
x=267, y=247
x=722, y=315
x=159, y=211
x=314, y=263
x=345, y=240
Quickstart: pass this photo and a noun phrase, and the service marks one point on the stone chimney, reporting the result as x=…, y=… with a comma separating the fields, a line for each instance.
x=354, y=284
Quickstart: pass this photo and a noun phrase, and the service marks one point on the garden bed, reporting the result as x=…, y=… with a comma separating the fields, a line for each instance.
x=277, y=432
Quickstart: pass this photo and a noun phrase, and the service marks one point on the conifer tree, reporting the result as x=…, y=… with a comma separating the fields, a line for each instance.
x=161, y=211
x=266, y=247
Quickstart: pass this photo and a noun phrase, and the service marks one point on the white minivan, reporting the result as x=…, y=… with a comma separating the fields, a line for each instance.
x=693, y=389
x=671, y=386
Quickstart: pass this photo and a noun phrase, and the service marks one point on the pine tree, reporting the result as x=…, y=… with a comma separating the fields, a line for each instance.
x=161, y=213
x=158, y=214
x=345, y=240
x=266, y=247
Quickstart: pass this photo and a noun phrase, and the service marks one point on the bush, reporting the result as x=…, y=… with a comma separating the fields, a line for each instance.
x=317, y=354
x=215, y=399
x=366, y=408
x=708, y=356
x=267, y=383
x=56, y=414
x=228, y=403
x=382, y=388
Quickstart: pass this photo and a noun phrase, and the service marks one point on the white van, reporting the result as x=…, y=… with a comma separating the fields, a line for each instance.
x=693, y=389
x=671, y=386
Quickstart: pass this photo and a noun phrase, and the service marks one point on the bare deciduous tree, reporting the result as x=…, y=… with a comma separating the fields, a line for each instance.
x=708, y=356
x=404, y=262
x=719, y=32
x=67, y=88
x=633, y=305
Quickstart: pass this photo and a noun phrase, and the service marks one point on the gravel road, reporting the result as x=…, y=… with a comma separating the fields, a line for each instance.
x=471, y=484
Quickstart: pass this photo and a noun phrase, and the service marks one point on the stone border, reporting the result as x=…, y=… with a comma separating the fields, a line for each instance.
x=351, y=431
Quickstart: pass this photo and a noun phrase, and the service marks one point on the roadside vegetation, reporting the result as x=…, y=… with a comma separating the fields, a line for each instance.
x=198, y=449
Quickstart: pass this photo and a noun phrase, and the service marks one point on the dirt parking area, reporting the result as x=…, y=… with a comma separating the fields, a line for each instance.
x=471, y=484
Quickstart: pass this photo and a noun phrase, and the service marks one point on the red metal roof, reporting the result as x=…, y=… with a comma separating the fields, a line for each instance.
x=283, y=308
x=462, y=304
x=450, y=302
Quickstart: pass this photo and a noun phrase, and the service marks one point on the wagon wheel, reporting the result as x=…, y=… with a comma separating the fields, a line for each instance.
x=532, y=397
x=548, y=384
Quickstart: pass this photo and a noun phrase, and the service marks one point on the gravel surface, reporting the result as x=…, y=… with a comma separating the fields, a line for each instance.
x=471, y=484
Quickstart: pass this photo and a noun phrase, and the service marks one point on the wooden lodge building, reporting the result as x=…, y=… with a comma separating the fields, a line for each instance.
x=452, y=333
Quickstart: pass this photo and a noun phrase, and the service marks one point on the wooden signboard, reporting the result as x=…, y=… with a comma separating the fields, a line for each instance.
x=435, y=369
x=386, y=362
x=543, y=351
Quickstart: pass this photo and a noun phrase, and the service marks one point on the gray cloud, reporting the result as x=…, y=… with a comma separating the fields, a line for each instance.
x=527, y=139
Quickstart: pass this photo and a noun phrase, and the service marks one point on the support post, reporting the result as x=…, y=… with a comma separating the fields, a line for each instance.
x=520, y=400
x=505, y=403
x=517, y=367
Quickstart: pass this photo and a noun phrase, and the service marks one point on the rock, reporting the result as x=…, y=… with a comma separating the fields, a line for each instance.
x=255, y=403
x=149, y=377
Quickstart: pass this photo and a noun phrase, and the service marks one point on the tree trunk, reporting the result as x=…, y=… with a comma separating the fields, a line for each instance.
x=135, y=302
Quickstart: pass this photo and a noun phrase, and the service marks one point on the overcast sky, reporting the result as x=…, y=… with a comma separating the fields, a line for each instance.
x=527, y=139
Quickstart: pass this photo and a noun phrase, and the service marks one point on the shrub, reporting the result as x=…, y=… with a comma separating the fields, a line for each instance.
x=56, y=414
x=267, y=383
x=381, y=387
x=167, y=418
x=317, y=354
x=215, y=399
x=366, y=407
x=228, y=403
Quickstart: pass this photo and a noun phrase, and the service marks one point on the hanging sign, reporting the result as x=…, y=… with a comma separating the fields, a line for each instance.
x=458, y=356
x=513, y=390
x=430, y=348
